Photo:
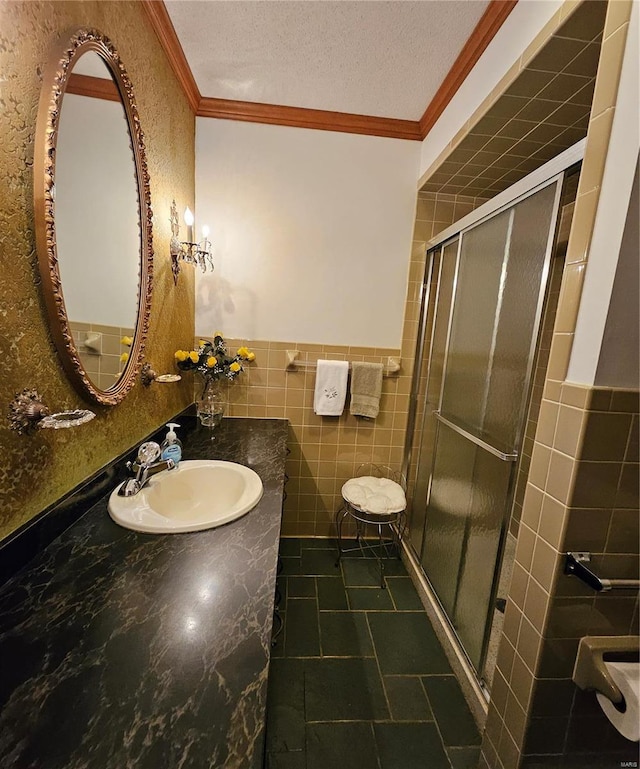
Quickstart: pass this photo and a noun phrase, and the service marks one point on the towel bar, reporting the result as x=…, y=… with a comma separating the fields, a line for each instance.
x=575, y=565
x=392, y=367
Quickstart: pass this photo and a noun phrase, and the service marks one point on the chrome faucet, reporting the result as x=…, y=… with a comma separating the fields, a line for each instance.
x=145, y=466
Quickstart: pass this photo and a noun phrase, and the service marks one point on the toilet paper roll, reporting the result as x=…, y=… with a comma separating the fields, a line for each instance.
x=626, y=676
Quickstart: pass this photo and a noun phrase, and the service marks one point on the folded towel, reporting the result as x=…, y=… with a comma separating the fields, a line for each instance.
x=331, y=387
x=366, y=387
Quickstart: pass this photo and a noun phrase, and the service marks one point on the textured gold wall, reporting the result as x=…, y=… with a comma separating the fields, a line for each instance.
x=36, y=470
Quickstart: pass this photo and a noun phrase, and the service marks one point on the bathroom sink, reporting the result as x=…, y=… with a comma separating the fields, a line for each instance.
x=199, y=494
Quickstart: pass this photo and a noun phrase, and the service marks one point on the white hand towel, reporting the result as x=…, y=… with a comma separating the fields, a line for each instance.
x=331, y=387
x=366, y=388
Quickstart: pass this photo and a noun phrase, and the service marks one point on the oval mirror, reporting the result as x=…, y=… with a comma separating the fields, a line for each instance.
x=93, y=218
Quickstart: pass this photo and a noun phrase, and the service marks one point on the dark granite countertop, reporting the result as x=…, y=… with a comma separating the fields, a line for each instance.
x=120, y=649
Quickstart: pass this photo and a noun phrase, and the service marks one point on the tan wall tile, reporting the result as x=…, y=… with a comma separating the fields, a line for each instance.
x=529, y=644
x=539, y=468
x=508, y=752
x=536, y=603
x=494, y=726
x=519, y=583
x=541, y=39
x=618, y=13
x=570, y=295
x=627, y=401
x=560, y=476
x=569, y=430
x=512, y=619
x=600, y=399
x=628, y=492
x=532, y=507
x=506, y=652
x=596, y=484
x=515, y=719
x=609, y=70
x=570, y=617
x=574, y=395
x=596, y=151
x=543, y=565
x=552, y=390
x=547, y=420
x=587, y=529
x=606, y=436
x=559, y=356
x=525, y=547
x=580, y=25
x=552, y=521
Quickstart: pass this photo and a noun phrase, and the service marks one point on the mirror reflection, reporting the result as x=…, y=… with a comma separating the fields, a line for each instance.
x=97, y=220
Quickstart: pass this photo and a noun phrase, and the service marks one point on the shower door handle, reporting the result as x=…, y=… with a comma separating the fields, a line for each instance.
x=504, y=456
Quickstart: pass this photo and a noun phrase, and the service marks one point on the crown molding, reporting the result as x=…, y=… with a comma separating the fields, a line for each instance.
x=164, y=29
x=492, y=19
x=324, y=120
x=300, y=117
x=95, y=87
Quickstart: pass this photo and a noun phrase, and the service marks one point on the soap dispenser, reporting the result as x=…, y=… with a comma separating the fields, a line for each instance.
x=171, y=447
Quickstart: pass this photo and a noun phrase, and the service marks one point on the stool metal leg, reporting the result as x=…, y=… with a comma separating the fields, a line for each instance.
x=380, y=558
x=341, y=514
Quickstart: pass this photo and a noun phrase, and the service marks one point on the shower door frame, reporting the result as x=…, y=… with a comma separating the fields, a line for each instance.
x=561, y=163
x=439, y=243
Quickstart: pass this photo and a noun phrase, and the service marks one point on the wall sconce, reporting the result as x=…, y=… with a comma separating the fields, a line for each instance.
x=187, y=250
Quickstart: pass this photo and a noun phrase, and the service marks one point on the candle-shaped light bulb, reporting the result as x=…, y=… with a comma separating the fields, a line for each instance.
x=188, y=220
x=205, y=231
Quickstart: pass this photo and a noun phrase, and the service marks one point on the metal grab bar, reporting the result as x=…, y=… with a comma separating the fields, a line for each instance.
x=575, y=565
x=510, y=457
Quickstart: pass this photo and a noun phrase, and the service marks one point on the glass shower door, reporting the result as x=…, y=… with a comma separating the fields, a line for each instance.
x=429, y=387
x=498, y=292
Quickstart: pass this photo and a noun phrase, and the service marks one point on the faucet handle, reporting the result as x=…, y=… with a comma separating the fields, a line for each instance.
x=148, y=453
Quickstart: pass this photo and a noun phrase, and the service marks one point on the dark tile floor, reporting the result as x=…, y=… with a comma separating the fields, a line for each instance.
x=358, y=679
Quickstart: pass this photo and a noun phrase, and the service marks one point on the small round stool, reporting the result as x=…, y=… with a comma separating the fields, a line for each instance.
x=376, y=497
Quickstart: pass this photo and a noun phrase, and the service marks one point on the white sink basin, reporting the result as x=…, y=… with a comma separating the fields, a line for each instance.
x=199, y=494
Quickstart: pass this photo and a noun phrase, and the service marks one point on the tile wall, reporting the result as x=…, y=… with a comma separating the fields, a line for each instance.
x=601, y=517
x=564, y=482
x=325, y=451
x=102, y=362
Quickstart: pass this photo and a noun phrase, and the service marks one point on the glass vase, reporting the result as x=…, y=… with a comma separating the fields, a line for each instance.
x=211, y=405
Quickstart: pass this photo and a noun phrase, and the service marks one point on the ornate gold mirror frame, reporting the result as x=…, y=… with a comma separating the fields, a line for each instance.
x=55, y=82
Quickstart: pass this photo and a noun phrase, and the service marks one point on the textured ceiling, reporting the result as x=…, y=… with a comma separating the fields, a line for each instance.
x=369, y=57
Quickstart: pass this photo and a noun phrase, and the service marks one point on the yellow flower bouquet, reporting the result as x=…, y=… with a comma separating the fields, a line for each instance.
x=212, y=360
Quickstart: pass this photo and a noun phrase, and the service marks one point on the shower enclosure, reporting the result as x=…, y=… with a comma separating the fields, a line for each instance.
x=482, y=314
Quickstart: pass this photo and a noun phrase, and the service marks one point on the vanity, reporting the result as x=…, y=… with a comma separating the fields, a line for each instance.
x=122, y=649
